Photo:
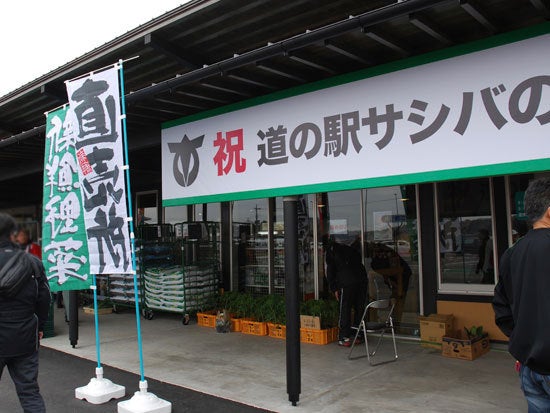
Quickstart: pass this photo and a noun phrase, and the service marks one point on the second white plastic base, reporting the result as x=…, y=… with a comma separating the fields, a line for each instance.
x=100, y=390
x=144, y=402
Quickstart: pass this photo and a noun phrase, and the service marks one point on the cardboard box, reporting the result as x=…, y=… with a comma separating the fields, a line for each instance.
x=310, y=322
x=460, y=347
x=433, y=328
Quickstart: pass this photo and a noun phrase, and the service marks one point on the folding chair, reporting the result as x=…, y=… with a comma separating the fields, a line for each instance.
x=381, y=289
x=378, y=327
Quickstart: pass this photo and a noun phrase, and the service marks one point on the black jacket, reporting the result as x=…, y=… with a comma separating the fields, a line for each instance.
x=521, y=303
x=24, y=315
x=344, y=267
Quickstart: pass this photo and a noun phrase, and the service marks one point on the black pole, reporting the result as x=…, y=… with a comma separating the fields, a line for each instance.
x=293, y=372
x=73, y=317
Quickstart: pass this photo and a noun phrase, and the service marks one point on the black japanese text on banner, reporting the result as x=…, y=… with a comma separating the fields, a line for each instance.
x=95, y=109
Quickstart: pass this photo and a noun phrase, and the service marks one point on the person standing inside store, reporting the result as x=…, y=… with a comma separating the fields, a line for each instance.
x=348, y=280
x=24, y=307
x=521, y=304
x=485, y=260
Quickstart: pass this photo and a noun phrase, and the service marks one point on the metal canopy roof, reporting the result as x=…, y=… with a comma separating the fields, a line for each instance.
x=211, y=53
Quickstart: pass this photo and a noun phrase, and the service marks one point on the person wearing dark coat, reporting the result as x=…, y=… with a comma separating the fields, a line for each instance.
x=24, y=307
x=347, y=279
x=521, y=304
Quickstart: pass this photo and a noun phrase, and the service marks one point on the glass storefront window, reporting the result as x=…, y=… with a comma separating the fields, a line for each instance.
x=147, y=207
x=209, y=212
x=379, y=222
x=250, y=270
x=258, y=246
x=338, y=217
x=305, y=245
x=175, y=214
x=391, y=251
x=465, y=237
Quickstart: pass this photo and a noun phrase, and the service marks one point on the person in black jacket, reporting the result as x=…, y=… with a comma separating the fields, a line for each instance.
x=23, y=313
x=521, y=304
x=347, y=279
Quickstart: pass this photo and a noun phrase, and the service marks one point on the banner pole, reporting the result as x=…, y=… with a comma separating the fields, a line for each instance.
x=131, y=216
x=96, y=321
x=99, y=390
x=142, y=401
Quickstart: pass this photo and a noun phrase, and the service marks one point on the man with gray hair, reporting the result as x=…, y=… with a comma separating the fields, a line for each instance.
x=24, y=306
x=521, y=303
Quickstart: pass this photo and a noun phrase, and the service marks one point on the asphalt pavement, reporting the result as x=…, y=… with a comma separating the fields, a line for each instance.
x=60, y=374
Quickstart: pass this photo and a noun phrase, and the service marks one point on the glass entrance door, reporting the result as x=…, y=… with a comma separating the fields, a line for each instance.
x=382, y=224
x=391, y=251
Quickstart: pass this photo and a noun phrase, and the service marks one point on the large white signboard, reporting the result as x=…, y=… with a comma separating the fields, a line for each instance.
x=462, y=116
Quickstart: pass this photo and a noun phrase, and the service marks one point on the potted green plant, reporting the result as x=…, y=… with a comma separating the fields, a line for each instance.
x=206, y=313
x=273, y=308
x=274, y=312
x=474, y=332
x=239, y=305
x=320, y=321
x=254, y=309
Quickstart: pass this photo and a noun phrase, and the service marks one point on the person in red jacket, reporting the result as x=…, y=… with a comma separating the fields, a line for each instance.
x=24, y=240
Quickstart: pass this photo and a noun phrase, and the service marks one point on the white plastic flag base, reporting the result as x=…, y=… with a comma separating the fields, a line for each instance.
x=144, y=402
x=99, y=390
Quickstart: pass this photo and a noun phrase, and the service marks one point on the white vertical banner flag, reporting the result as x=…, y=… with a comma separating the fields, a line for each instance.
x=95, y=107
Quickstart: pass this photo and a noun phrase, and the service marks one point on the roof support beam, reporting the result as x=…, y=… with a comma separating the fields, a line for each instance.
x=23, y=135
x=250, y=81
x=137, y=114
x=340, y=50
x=202, y=97
x=307, y=62
x=474, y=11
x=541, y=7
x=137, y=122
x=54, y=93
x=280, y=48
x=279, y=72
x=161, y=108
x=429, y=27
x=385, y=41
x=7, y=127
x=188, y=62
x=180, y=104
x=225, y=89
x=370, y=18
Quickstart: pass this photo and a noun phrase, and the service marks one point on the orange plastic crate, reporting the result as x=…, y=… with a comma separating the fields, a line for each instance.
x=321, y=337
x=256, y=328
x=276, y=330
x=206, y=319
x=237, y=324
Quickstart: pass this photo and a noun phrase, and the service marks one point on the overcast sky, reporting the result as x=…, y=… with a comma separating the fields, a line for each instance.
x=39, y=36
